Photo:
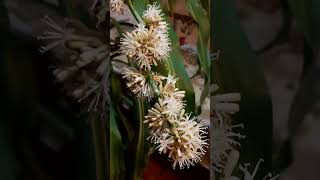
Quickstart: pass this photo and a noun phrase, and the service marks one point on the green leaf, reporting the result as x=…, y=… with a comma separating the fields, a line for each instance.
x=308, y=17
x=237, y=70
x=117, y=167
x=176, y=67
x=139, y=6
x=171, y=5
x=8, y=161
x=206, y=5
x=141, y=149
x=200, y=15
x=118, y=96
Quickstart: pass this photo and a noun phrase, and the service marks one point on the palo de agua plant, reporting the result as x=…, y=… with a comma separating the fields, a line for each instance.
x=85, y=69
x=84, y=73
x=172, y=130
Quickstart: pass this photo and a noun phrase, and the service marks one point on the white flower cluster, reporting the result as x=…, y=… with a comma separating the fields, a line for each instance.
x=224, y=140
x=251, y=176
x=85, y=68
x=174, y=132
x=149, y=43
x=117, y=6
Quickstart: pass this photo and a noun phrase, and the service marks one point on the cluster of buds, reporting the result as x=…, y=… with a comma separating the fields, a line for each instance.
x=85, y=68
x=172, y=130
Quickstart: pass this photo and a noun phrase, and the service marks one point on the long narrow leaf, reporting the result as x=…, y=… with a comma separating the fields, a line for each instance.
x=308, y=17
x=117, y=166
x=200, y=15
x=238, y=71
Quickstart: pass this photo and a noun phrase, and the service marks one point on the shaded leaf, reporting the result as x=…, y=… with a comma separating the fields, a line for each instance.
x=238, y=71
x=308, y=17
x=99, y=133
x=7, y=154
x=117, y=166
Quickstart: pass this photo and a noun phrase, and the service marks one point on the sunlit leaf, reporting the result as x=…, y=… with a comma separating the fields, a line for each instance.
x=200, y=15
x=175, y=65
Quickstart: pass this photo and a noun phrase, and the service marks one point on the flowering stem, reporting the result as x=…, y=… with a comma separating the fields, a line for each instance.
x=133, y=11
x=140, y=144
x=155, y=88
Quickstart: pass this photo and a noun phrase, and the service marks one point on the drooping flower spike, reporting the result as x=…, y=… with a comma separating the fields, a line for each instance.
x=185, y=142
x=174, y=132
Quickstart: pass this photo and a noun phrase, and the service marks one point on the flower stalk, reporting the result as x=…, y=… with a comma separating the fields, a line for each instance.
x=134, y=12
x=172, y=130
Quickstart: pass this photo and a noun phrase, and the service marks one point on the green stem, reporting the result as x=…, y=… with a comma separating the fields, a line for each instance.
x=100, y=146
x=117, y=25
x=155, y=88
x=137, y=175
x=133, y=11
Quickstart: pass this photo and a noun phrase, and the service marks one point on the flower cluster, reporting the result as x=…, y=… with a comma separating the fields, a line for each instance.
x=251, y=176
x=224, y=140
x=84, y=70
x=172, y=130
x=117, y=6
x=147, y=44
x=137, y=83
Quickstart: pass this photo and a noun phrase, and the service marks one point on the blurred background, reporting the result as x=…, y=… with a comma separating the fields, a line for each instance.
x=282, y=35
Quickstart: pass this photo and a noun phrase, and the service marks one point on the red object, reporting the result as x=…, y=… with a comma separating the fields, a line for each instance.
x=159, y=168
x=182, y=40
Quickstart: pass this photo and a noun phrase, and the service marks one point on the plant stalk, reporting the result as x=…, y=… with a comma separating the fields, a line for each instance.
x=99, y=133
x=133, y=11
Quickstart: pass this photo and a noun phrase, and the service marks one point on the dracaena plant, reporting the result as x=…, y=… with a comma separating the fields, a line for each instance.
x=152, y=71
x=152, y=74
x=174, y=132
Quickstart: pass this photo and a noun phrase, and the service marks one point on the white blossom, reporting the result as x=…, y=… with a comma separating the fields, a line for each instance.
x=137, y=83
x=146, y=46
x=223, y=140
x=117, y=6
x=184, y=142
x=153, y=16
